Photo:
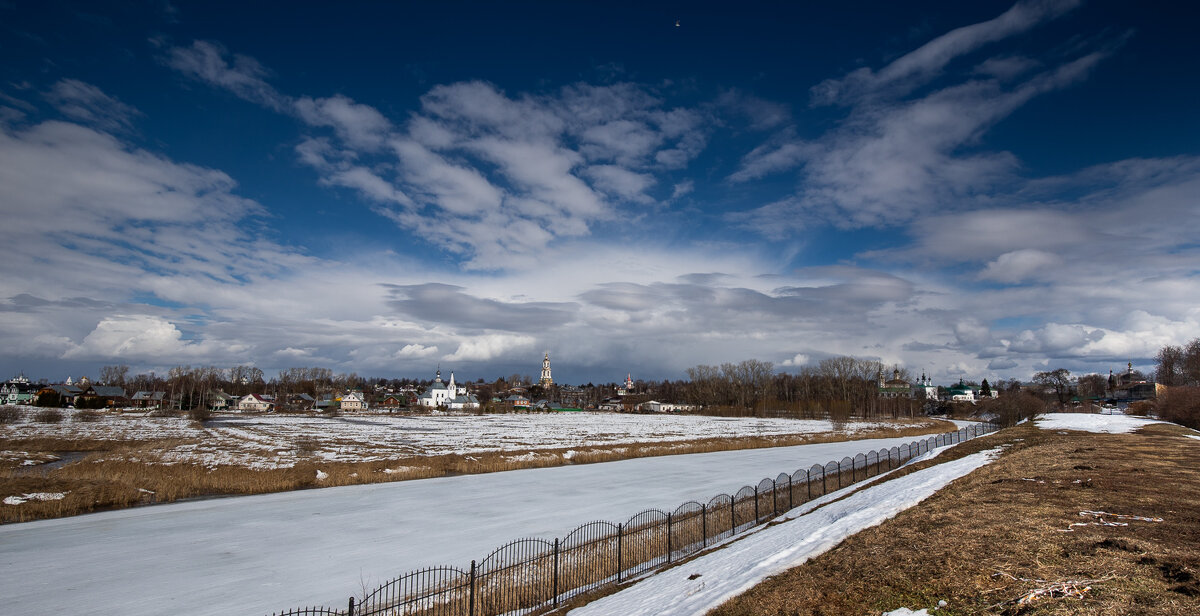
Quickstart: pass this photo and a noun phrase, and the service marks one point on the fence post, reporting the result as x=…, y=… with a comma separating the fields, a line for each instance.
x=704, y=525
x=668, y=538
x=791, y=496
x=350, y=611
x=620, y=550
x=756, y=504
x=808, y=482
x=556, y=571
x=471, y=596
x=839, y=474
x=732, y=515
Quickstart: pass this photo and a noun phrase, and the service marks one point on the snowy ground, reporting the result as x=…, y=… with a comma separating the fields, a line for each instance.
x=710, y=580
x=258, y=554
x=1086, y=422
x=278, y=441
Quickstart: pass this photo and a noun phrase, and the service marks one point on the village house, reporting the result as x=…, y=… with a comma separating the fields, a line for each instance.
x=18, y=390
x=353, y=401
x=255, y=403
x=147, y=399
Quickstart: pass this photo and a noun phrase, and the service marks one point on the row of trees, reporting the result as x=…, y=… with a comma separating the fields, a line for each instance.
x=1179, y=365
x=1179, y=369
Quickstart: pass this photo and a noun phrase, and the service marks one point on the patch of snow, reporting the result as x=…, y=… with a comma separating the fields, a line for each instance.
x=35, y=496
x=1087, y=422
x=742, y=564
x=270, y=441
x=907, y=612
x=1192, y=436
x=322, y=475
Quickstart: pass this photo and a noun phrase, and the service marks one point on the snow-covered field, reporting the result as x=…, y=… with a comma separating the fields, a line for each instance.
x=709, y=580
x=258, y=554
x=1086, y=422
x=279, y=441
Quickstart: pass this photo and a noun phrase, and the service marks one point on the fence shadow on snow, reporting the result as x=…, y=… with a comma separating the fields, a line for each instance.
x=533, y=574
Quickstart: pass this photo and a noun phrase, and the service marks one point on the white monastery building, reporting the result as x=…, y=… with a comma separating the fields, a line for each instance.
x=447, y=395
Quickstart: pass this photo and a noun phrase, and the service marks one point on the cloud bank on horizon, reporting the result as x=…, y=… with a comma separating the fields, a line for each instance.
x=979, y=196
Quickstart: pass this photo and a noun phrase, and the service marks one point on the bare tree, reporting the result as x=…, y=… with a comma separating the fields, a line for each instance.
x=1059, y=380
x=114, y=375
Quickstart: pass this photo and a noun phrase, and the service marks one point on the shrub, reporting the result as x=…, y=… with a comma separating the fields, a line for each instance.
x=1141, y=408
x=200, y=414
x=163, y=413
x=1180, y=405
x=9, y=414
x=49, y=398
x=51, y=416
x=87, y=416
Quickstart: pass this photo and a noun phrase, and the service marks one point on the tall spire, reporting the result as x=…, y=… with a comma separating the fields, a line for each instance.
x=546, y=378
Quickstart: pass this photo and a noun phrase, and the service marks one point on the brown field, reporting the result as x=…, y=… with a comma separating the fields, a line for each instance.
x=1010, y=538
x=137, y=476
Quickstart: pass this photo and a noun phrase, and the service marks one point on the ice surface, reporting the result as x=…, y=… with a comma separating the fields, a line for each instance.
x=258, y=554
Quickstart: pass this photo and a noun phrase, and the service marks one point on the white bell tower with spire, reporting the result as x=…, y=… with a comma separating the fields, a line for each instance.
x=546, y=378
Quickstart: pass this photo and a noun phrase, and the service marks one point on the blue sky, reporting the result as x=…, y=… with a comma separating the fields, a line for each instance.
x=980, y=189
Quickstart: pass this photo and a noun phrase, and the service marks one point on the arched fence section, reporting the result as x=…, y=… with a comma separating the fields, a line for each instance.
x=528, y=575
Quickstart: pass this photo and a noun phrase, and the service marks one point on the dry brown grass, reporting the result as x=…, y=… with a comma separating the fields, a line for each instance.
x=125, y=474
x=997, y=535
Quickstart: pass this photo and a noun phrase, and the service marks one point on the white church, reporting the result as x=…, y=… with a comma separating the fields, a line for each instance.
x=447, y=395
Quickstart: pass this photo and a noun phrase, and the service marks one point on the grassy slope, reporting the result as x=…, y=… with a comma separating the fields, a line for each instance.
x=996, y=535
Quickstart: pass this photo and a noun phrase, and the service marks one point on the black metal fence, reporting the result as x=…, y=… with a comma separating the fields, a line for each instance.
x=533, y=574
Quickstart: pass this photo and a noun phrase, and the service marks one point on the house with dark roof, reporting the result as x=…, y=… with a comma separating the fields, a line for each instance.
x=92, y=395
x=148, y=399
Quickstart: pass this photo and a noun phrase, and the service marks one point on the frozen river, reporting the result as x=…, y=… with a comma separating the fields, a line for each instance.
x=257, y=554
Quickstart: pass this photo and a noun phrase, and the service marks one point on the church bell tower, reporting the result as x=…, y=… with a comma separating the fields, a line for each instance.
x=546, y=379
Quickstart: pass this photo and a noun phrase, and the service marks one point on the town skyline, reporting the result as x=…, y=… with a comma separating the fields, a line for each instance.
x=983, y=191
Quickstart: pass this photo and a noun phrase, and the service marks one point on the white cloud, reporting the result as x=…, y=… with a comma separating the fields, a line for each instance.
x=490, y=346
x=360, y=126
x=1020, y=265
x=86, y=103
x=136, y=337
x=416, y=350
x=212, y=63
x=800, y=359
x=928, y=61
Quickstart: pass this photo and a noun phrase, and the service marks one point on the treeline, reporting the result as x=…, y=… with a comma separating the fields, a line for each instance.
x=1179, y=370
x=838, y=387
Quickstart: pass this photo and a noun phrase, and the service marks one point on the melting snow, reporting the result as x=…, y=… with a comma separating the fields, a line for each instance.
x=742, y=564
x=272, y=441
x=35, y=496
x=1087, y=422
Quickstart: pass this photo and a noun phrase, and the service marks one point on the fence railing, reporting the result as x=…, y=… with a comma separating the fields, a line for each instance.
x=527, y=575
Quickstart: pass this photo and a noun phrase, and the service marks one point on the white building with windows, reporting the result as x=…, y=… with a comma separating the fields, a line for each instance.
x=447, y=395
x=354, y=401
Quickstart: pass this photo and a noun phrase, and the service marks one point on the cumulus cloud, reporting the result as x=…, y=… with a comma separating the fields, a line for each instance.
x=800, y=359
x=416, y=350
x=490, y=346
x=135, y=337
x=491, y=177
x=1020, y=265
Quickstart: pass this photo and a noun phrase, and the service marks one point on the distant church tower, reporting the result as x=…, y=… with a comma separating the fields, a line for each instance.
x=546, y=378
